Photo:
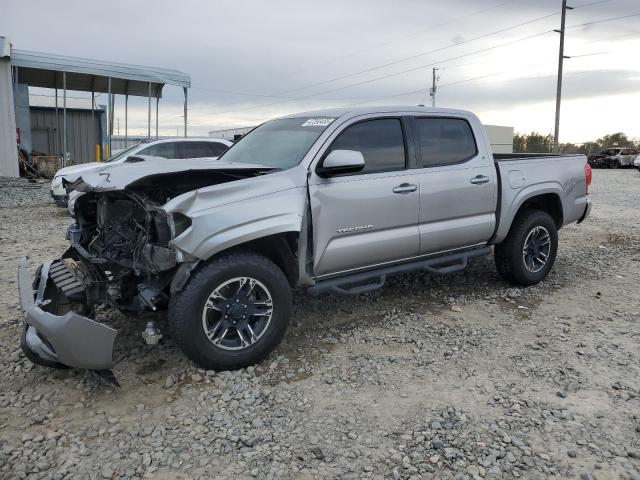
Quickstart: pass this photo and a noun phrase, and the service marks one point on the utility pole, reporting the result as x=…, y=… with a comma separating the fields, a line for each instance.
x=561, y=57
x=434, y=87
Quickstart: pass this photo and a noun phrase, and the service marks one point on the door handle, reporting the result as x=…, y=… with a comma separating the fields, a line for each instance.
x=405, y=188
x=480, y=180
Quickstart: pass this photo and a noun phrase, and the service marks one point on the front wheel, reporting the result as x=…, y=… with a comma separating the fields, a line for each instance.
x=526, y=256
x=232, y=312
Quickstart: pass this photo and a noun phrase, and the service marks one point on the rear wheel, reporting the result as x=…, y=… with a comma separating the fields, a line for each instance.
x=528, y=253
x=232, y=312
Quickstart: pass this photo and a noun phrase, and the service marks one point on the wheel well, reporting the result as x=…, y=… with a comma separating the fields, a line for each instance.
x=549, y=203
x=280, y=248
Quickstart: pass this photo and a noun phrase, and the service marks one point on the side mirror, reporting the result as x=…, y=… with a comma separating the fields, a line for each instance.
x=340, y=162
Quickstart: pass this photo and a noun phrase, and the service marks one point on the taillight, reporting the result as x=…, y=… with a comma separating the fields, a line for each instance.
x=587, y=175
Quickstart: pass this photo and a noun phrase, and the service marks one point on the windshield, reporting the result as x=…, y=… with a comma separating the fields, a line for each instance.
x=121, y=154
x=279, y=143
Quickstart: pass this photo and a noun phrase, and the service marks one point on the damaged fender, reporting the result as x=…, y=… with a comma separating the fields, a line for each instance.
x=70, y=339
x=231, y=214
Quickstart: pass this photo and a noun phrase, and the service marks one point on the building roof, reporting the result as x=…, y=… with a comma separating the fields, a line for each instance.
x=45, y=70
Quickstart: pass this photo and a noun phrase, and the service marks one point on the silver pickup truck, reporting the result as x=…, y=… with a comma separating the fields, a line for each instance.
x=333, y=200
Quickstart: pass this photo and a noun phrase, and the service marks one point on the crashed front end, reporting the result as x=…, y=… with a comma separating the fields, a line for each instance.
x=120, y=256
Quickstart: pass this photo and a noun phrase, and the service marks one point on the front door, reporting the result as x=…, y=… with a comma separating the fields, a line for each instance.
x=369, y=218
x=458, y=186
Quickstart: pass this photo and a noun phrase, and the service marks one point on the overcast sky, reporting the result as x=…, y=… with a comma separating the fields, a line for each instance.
x=251, y=60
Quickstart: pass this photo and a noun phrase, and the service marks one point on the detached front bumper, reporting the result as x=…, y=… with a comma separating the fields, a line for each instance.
x=69, y=339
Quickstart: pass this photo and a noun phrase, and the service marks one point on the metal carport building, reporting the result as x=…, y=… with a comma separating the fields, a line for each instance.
x=20, y=69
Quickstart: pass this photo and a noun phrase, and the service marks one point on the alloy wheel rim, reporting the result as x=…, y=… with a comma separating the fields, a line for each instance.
x=237, y=313
x=536, y=249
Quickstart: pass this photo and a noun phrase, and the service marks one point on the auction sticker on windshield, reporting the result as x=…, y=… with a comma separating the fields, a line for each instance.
x=318, y=122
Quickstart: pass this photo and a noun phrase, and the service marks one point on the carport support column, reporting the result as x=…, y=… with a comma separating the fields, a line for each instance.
x=109, y=120
x=149, y=113
x=157, y=104
x=57, y=135
x=64, y=119
x=185, y=110
x=126, y=118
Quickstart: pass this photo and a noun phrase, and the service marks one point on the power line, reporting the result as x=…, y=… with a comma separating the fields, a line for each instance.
x=592, y=4
x=385, y=76
x=421, y=90
x=404, y=59
x=364, y=50
x=604, y=20
x=442, y=61
x=420, y=67
x=288, y=99
x=281, y=93
x=413, y=34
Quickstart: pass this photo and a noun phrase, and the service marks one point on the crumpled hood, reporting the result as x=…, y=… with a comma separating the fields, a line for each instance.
x=72, y=172
x=119, y=176
x=203, y=199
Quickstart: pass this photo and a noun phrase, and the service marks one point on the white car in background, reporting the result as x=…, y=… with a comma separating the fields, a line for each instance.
x=169, y=148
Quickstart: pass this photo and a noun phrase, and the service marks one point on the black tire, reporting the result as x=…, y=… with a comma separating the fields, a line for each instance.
x=186, y=310
x=509, y=257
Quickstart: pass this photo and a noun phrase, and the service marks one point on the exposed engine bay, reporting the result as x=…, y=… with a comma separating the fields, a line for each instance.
x=120, y=249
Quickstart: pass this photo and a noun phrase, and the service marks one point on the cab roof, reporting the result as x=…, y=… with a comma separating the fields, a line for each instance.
x=356, y=111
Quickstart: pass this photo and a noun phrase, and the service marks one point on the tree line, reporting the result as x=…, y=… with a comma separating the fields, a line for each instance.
x=535, y=142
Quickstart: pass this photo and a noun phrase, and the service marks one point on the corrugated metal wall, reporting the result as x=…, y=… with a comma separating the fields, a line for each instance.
x=82, y=132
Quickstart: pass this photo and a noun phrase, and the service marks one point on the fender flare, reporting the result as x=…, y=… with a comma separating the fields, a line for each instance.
x=520, y=199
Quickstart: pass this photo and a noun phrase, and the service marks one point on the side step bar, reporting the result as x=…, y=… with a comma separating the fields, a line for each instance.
x=361, y=282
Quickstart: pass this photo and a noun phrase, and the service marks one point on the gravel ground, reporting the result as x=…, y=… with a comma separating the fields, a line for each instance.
x=458, y=376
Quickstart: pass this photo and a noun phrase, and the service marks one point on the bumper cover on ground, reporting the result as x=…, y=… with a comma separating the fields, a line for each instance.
x=70, y=339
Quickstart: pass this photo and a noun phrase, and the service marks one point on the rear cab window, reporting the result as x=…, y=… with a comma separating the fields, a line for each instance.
x=381, y=142
x=200, y=149
x=444, y=141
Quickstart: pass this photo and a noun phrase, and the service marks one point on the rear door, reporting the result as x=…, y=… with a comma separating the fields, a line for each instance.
x=457, y=184
x=369, y=218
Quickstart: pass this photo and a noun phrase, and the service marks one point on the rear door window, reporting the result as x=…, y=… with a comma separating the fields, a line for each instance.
x=445, y=141
x=201, y=149
x=380, y=141
x=216, y=149
x=164, y=149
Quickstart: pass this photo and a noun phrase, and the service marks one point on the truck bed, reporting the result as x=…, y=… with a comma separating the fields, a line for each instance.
x=557, y=177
